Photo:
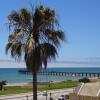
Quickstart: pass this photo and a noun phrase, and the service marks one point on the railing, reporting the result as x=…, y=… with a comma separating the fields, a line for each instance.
x=55, y=73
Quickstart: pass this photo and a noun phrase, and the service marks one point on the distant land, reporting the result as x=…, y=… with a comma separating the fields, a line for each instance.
x=21, y=64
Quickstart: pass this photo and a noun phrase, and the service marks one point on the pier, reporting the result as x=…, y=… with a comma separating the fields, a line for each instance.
x=56, y=73
x=74, y=74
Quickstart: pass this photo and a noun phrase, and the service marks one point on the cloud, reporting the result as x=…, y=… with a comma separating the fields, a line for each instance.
x=93, y=58
x=13, y=64
x=78, y=62
x=73, y=64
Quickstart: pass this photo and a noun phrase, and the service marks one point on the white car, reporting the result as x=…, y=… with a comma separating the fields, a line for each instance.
x=45, y=93
x=63, y=97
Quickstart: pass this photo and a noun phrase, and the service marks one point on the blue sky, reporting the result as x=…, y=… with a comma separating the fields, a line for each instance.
x=80, y=20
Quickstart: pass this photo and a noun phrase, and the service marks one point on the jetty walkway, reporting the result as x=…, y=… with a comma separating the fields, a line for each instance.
x=56, y=73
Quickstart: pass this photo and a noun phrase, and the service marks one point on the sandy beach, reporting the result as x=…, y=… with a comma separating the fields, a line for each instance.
x=19, y=84
x=30, y=83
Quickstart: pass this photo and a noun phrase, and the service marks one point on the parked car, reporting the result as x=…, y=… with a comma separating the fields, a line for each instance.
x=45, y=93
x=63, y=97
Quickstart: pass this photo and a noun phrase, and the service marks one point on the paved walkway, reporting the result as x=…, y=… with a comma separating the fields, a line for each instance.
x=28, y=96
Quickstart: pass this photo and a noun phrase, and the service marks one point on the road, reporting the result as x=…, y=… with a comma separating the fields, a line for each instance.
x=28, y=96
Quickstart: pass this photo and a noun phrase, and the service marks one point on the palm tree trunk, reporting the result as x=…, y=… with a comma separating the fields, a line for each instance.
x=34, y=86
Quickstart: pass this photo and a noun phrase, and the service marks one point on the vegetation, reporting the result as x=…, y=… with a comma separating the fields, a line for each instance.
x=58, y=85
x=84, y=80
x=15, y=89
x=41, y=87
x=2, y=83
x=36, y=35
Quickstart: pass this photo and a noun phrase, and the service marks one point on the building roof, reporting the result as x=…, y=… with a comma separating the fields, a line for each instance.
x=88, y=89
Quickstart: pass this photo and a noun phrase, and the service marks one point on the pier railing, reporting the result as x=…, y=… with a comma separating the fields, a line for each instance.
x=56, y=73
x=75, y=74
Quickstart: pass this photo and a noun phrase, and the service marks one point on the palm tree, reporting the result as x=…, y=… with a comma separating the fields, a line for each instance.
x=34, y=34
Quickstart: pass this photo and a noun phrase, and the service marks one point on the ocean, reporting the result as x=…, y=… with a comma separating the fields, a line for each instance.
x=11, y=75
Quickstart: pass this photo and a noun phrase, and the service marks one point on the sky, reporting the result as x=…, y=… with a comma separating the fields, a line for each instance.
x=80, y=21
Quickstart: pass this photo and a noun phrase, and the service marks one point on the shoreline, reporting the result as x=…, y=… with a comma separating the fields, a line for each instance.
x=19, y=84
x=30, y=83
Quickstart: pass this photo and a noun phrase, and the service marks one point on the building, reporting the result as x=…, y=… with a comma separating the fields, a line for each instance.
x=86, y=91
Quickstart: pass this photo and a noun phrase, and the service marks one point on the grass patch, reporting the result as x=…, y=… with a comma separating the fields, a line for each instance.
x=15, y=90
x=41, y=87
x=58, y=85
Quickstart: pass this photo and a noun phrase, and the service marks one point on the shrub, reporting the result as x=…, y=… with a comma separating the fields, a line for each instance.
x=2, y=83
x=84, y=80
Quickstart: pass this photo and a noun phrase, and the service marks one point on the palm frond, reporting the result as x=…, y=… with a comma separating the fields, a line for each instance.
x=8, y=46
x=36, y=34
x=54, y=36
x=14, y=17
x=48, y=52
x=25, y=16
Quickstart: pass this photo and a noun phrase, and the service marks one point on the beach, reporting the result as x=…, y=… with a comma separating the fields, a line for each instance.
x=96, y=79
x=20, y=85
x=55, y=92
x=11, y=75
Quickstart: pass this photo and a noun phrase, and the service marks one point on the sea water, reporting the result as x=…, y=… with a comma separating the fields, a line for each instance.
x=12, y=75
